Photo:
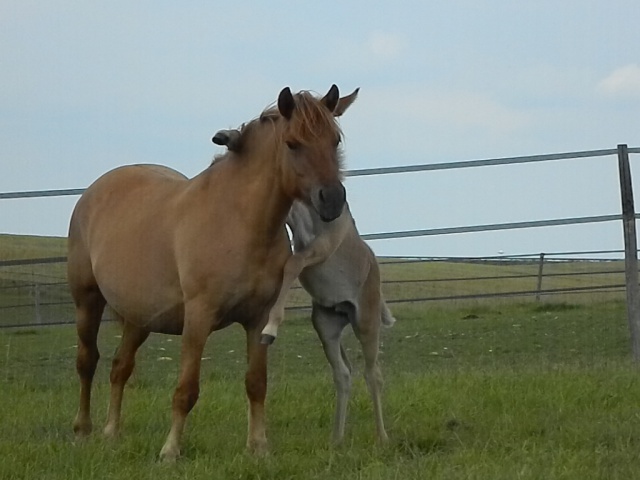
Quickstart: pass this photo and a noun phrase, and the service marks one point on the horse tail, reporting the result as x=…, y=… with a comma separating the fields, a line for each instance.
x=386, y=317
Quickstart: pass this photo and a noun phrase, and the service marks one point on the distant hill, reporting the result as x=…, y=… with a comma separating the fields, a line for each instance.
x=15, y=247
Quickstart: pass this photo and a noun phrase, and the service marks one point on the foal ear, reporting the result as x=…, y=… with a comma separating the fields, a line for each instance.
x=286, y=103
x=330, y=100
x=345, y=102
x=228, y=138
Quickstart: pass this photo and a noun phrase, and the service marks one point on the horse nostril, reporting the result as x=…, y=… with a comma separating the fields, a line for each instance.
x=321, y=195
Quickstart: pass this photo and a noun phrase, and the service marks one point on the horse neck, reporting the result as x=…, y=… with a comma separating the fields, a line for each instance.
x=257, y=185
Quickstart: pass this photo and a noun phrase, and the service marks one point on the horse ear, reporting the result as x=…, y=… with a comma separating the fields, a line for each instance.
x=286, y=103
x=221, y=137
x=228, y=138
x=345, y=102
x=330, y=100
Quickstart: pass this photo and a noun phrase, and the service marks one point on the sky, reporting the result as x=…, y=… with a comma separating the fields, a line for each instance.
x=89, y=86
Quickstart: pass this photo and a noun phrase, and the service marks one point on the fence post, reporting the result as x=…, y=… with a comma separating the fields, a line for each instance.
x=630, y=250
x=540, y=266
x=36, y=298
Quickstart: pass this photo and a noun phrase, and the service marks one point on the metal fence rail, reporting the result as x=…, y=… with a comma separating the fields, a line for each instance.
x=387, y=170
x=26, y=302
x=49, y=302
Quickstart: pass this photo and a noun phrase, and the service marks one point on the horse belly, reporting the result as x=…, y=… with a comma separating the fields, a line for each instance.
x=331, y=282
x=156, y=309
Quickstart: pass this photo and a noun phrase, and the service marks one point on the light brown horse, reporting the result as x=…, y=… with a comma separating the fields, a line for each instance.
x=189, y=256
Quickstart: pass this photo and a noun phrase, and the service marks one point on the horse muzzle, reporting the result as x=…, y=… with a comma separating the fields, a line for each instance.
x=329, y=201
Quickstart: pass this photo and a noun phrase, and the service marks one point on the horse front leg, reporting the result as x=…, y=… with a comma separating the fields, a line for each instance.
x=293, y=267
x=194, y=337
x=321, y=248
x=256, y=387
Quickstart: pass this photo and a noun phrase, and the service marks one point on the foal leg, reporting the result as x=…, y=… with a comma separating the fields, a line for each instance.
x=367, y=330
x=256, y=387
x=89, y=307
x=194, y=337
x=321, y=248
x=329, y=325
x=122, y=366
x=292, y=269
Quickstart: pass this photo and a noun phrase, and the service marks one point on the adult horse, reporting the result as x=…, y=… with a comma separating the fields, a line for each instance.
x=189, y=256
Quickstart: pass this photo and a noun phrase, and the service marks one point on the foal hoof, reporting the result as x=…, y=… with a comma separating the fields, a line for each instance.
x=267, y=339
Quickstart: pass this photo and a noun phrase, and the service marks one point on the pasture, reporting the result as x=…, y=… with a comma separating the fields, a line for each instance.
x=473, y=391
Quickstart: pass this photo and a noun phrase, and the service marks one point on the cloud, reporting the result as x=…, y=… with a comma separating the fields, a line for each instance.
x=362, y=54
x=455, y=109
x=385, y=46
x=624, y=81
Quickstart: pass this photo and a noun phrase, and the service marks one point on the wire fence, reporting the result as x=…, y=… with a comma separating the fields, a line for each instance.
x=433, y=167
x=33, y=291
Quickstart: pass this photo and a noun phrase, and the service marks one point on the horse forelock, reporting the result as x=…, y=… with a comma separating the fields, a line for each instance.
x=311, y=120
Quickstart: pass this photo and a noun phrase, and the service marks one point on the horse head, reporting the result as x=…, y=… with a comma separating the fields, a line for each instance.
x=310, y=147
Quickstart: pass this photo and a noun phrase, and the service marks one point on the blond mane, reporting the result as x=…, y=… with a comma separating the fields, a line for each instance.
x=312, y=118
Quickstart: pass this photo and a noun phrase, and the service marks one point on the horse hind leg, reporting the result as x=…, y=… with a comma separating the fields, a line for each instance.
x=89, y=307
x=122, y=367
x=329, y=325
x=367, y=329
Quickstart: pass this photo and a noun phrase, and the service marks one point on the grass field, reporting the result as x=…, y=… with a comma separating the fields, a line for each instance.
x=472, y=392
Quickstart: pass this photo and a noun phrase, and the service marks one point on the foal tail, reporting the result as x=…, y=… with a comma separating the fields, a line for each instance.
x=386, y=317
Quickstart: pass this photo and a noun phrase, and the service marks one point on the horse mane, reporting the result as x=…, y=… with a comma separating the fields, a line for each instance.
x=307, y=124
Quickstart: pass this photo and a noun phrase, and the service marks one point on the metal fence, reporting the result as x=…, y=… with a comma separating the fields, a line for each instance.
x=34, y=291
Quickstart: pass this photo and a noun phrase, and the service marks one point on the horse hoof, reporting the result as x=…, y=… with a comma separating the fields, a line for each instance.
x=82, y=429
x=169, y=455
x=110, y=432
x=259, y=449
x=267, y=339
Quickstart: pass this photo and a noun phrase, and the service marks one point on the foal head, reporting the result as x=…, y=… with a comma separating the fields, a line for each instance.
x=308, y=140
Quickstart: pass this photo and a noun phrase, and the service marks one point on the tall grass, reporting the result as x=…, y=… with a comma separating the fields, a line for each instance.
x=477, y=392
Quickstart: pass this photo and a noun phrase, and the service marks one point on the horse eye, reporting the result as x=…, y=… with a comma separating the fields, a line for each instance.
x=293, y=145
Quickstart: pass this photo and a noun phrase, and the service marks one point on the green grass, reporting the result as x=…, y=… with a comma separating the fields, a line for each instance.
x=474, y=392
x=16, y=247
